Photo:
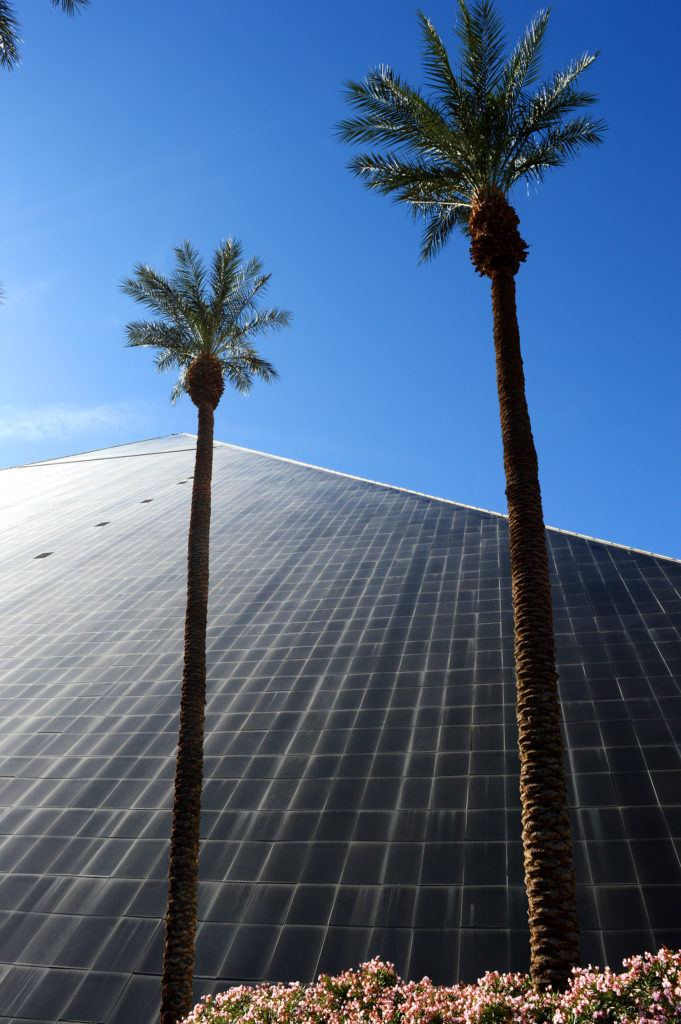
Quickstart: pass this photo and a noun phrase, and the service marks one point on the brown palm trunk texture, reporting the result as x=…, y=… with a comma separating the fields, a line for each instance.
x=497, y=251
x=178, y=959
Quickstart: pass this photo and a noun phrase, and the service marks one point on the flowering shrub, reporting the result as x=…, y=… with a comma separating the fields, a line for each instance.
x=647, y=992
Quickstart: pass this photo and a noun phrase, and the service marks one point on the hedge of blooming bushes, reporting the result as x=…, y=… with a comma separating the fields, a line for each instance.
x=647, y=992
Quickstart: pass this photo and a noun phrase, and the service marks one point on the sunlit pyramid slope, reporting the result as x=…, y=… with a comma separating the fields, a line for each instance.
x=361, y=776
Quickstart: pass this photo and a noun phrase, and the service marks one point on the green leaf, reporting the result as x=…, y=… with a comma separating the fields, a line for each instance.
x=9, y=36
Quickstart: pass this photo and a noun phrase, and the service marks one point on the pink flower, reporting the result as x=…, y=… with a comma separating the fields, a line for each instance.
x=646, y=992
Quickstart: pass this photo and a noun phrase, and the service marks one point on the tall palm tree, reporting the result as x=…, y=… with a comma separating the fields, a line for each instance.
x=452, y=157
x=9, y=28
x=206, y=320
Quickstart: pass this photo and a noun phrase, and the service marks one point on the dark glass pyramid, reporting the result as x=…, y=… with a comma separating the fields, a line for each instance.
x=361, y=792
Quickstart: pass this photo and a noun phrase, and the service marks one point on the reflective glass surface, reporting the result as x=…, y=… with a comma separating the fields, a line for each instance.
x=361, y=778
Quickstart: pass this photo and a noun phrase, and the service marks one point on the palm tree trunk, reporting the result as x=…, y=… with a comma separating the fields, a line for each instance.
x=178, y=960
x=549, y=869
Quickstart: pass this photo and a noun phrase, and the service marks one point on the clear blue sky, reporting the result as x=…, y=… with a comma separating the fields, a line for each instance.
x=143, y=123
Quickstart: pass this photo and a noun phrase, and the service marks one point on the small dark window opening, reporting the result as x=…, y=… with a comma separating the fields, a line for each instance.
x=106, y=523
x=43, y=555
x=146, y=501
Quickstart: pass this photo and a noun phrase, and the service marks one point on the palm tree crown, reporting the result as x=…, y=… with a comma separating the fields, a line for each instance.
x=489, y=125
x=9, y=28
x=210, y=312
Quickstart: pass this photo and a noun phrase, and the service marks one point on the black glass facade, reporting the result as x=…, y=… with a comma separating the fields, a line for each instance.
x=361, y=775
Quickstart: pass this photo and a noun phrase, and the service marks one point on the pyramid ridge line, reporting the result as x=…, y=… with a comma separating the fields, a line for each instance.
x=446, y=501
x=62, y=459
x=92, y=451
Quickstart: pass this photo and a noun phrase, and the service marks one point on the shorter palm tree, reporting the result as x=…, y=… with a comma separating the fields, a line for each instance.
x=9, y=29
x=207, y=318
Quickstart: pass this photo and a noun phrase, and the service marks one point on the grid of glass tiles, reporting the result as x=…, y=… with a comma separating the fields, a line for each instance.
x=361, y=780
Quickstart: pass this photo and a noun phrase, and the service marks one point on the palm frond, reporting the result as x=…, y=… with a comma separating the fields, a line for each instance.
x=417, y=183
x=241, y=303
x=481, y=32
x=261, y=322
x=556, y=146
x=238, y=376
x=242, y=368
x=437, y=67
x=235, y=287
x=225, y=269
x=558, y=98
x=544, y=120
x=252, y=274
x=439, y=227
x=158, y=294
x=189, y=281
x=157, y=334
x=259, y=367
x=523, y=66
x=394, y=115
x=179, y=387
x=190, y=270
x=70, y=7
x=171, y=359
x=386, y=174
x=9, y=36
x=246, y=287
